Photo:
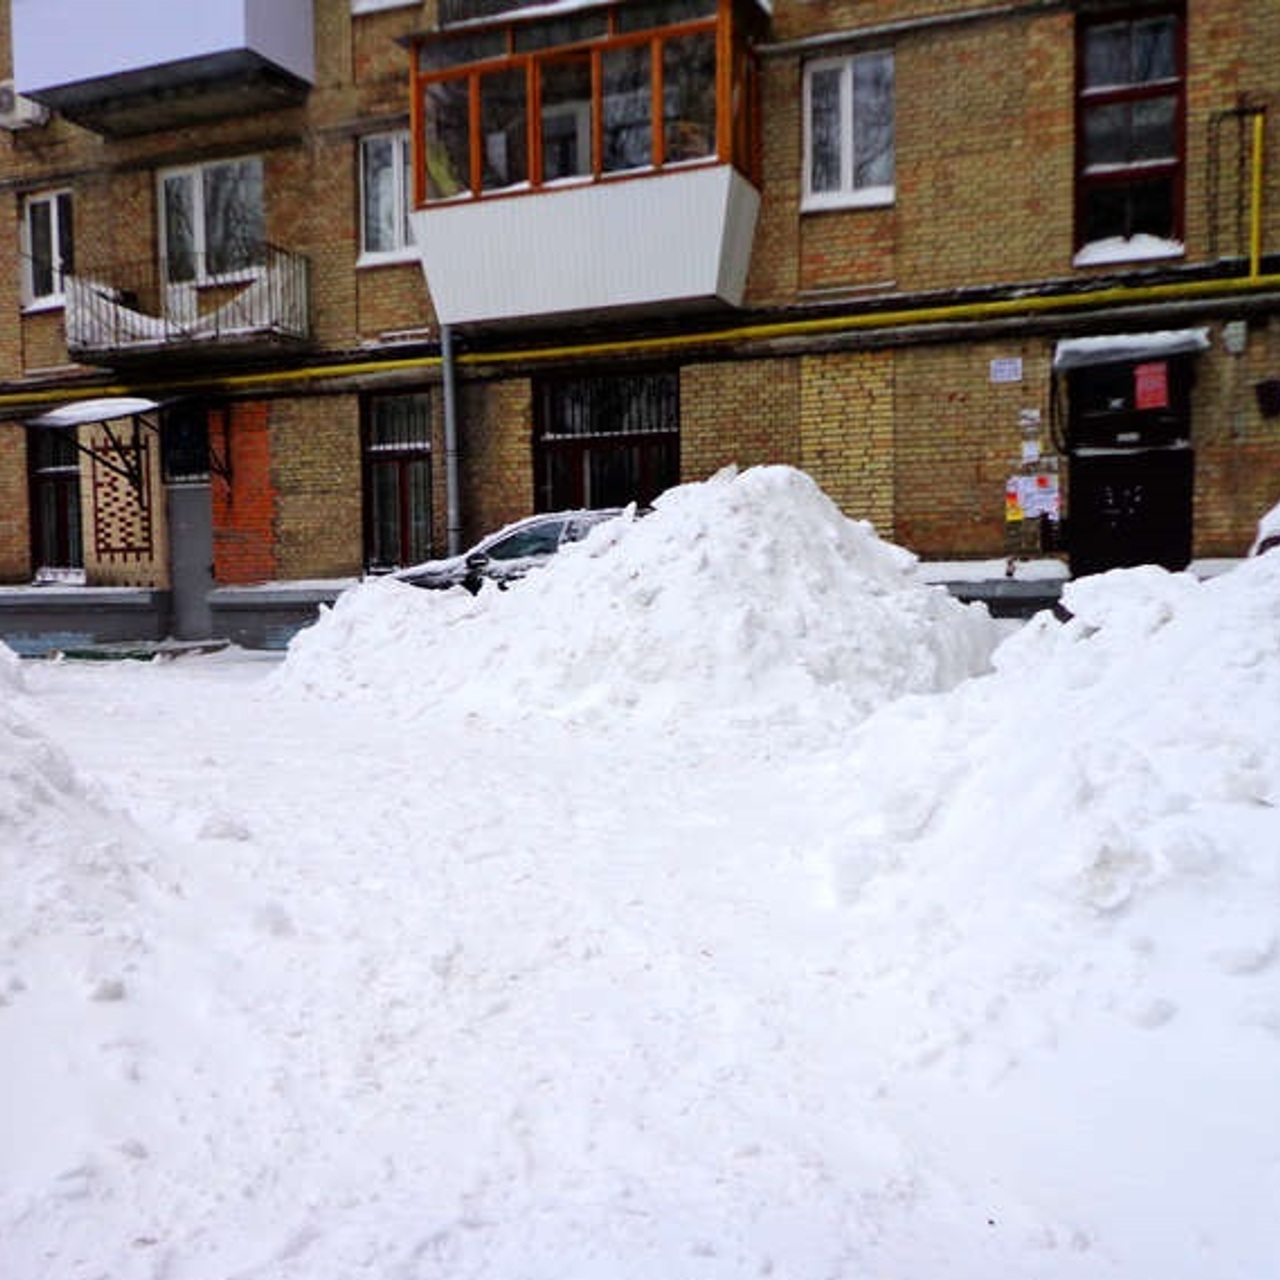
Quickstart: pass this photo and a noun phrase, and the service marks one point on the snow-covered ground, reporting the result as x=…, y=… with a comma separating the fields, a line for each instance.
x=723, y=903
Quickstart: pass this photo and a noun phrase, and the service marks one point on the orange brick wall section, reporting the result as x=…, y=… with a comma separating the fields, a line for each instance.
x=244, y=511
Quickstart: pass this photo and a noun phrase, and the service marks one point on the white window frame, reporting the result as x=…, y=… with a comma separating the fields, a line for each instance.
x=847, y=194
x=372, y=6
x=31, y=300
x=200, y=246
x=402, y=180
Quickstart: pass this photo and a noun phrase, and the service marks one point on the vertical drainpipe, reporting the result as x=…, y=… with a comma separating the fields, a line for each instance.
x=452, y=505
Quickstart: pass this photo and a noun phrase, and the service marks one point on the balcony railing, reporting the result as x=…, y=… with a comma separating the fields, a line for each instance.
x=130, y=310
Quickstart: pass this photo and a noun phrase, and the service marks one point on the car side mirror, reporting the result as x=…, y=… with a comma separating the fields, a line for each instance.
x=477, y=560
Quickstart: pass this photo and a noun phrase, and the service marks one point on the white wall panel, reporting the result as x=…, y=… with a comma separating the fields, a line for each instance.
x=675, y=237
x=59, y=42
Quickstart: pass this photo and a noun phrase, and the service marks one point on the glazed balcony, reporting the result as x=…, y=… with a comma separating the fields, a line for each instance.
x=135, y=312
x=149, y=65
x=622, y=135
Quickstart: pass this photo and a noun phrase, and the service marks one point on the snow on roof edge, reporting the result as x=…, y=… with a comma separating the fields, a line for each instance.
x=1074, y=353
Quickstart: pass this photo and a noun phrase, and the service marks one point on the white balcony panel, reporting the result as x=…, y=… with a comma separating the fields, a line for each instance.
x=63, y=42
x=682, y=237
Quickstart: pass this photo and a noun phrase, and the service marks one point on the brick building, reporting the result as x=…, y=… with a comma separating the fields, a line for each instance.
x=378, y=276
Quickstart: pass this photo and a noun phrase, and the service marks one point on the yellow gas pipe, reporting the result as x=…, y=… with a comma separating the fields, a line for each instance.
x=1255, y=198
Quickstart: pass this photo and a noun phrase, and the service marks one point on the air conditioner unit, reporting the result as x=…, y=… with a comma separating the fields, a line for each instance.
x=17, y=112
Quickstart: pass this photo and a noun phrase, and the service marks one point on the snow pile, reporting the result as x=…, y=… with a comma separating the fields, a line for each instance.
x=987, y=987
x=1065, y=879
x=73, y=873
x=10, y=670
x=748, y=597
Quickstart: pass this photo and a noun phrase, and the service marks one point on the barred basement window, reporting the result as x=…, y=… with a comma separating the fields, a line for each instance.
x=398, y=511
x=606, y=441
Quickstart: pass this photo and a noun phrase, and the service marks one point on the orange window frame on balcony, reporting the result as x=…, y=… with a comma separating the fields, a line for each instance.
x=730, y=137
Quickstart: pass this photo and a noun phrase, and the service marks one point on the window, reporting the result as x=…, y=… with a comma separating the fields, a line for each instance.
x=849, y=131
x=1129, y=135
x=47, y=247
x=585, y=94
x=541, y=539
x=384, y=196
x=213, y=220
x=54, y=474
x=397, y=481
x=607, y=441
x=184, y=442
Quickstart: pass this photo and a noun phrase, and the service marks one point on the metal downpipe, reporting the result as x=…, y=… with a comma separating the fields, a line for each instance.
x=453, y=508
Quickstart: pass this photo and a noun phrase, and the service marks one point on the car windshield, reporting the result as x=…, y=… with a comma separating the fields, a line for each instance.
x=538, y=540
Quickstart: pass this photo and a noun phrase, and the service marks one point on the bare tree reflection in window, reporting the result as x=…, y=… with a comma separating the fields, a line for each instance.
x=824, y=129
x=873, y=145
x=628, y=106
x=503, y=125
x=235, y=222
x=689, y=96
x=180, y=227
x=448, y=139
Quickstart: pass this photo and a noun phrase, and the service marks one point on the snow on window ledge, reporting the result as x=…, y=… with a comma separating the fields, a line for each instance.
x=50, y=302
x=1128, y=249
x=386, y=258
x=47, y=576
x=372, y=6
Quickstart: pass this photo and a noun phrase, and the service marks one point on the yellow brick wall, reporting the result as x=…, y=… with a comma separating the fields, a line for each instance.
x=958, y=439
x=846, y=432
x=315, y=458
x=495, y=454
x=391, y=299
x=15, y=526
x=744, y=412
x=1237, y=449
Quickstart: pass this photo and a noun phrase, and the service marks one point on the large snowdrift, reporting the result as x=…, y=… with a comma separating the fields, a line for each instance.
x=748, y=597
x=1065, y=879
x=985, y=984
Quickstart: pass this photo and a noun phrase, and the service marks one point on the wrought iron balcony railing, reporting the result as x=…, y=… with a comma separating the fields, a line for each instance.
x=131, y=309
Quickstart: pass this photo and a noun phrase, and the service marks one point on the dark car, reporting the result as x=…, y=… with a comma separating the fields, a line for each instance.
x=508, y=554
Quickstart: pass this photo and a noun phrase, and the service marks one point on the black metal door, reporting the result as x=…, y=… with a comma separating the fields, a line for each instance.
x=1131, y=464
x=1131, y=508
